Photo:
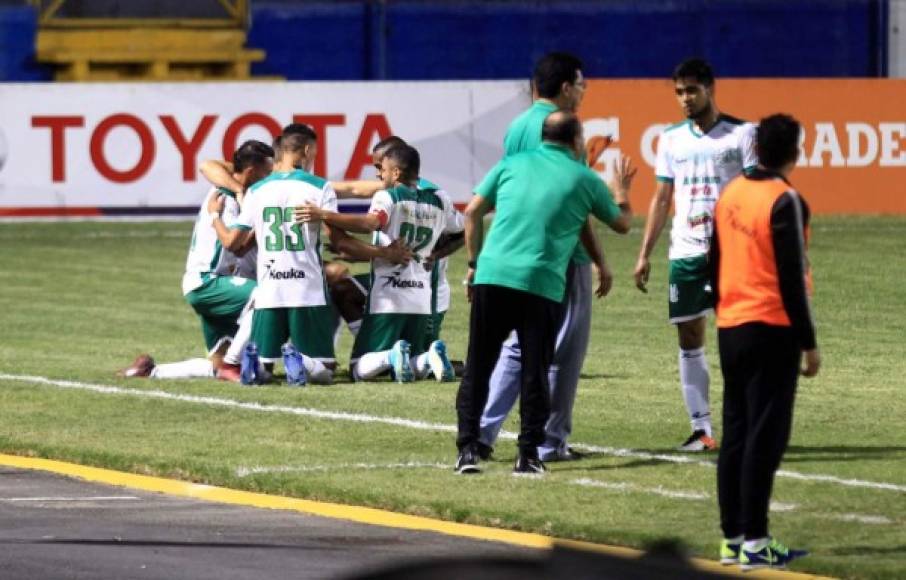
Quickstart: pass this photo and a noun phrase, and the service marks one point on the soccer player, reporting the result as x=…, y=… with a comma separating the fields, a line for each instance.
x=219, y=173
x=764, y=331
x=696, y=159
x=350, y=293
x=217, y=283
x=291, y=300
x=399, y=303
x=558, y=83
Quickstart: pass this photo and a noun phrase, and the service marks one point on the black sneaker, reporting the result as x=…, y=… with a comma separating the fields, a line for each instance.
x=467, y=462
x=526, y=465
x=484, y=451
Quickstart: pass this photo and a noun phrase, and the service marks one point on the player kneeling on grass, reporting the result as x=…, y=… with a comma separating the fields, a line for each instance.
x=217, y=283
x=399, y=303
x=290, y=301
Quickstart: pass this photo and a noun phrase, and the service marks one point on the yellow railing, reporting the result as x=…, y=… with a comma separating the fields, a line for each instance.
x=234, y=15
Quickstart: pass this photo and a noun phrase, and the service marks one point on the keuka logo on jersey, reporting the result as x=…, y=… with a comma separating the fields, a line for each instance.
x=291, y=274
x=394, y=280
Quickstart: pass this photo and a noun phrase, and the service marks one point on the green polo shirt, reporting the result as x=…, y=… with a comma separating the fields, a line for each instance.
x=542, y=199
x=524, y=134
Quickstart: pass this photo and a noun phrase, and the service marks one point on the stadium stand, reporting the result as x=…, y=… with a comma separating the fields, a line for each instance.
x=86, y=41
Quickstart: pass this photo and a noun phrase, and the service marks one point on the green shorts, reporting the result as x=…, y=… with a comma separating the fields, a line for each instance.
x=309, y=328
x=437, y=320
x=219, y=302
x=380, y=331
x=690, y=291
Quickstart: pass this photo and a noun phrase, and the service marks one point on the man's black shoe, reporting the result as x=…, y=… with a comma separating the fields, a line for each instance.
x=467, y=462
x=484, y=451
x=526, y=465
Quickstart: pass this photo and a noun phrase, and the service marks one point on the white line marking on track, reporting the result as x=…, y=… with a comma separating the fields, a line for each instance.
x=414, y=424
x=247, y=471
x=90, y=498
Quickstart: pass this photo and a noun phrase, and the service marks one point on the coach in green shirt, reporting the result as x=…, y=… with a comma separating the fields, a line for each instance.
x=542, y=200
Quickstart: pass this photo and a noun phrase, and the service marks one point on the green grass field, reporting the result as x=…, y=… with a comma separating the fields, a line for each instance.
x=80, y=300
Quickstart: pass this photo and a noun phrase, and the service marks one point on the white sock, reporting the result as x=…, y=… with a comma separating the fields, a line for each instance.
x=420, y=366
x=372, y=364
x=196, y=368
x=234, y=354
x=695, y=379
x=316, y=371
x=755, y=545
x=354, y=327
x=735, y=541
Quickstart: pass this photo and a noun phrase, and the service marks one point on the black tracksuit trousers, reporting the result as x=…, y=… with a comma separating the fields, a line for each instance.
x=760, y=365
x=497, y=310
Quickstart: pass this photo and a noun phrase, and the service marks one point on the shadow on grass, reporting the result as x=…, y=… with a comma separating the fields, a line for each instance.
x=601, y=376
x=804, y=454
x=582, y=465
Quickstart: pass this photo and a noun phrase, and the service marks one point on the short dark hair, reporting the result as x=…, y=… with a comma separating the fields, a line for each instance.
x=777, y=140
x=553, y=70
x=301, y=129
x=251, y=153
x=293, y=143
x=387, y=143
x=561, y=127
x=694, y=68
x=407, y=159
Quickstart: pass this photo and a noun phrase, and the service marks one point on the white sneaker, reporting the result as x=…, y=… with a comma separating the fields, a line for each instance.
x=438, y=362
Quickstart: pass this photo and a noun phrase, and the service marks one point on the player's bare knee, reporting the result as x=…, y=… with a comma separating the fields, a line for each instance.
x=691, y=333
x=335, y=272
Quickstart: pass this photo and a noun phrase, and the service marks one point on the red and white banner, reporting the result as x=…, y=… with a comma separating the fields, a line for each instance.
x=84, y=146
x=95, y=149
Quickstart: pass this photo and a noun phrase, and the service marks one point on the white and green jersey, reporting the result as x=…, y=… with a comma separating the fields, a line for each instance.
x=455, y=224
x=418, y=216
x=207, y=257
x=699, y=166
x=289, y=254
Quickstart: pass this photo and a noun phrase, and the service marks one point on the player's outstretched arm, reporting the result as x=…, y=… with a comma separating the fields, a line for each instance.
x=362, y=189
x=350, y=247
x=657, y=218
x=220, y=174
x=362, y=224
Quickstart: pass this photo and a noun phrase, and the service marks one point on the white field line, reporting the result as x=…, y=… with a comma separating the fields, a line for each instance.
x=414, y=424
x=628, y=487
x=247, y=471
x=861, y=518
x=64, y=499
x=779, y=506
x=840, y=481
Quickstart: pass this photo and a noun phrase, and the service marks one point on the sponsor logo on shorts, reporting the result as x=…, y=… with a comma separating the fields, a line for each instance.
x=674, y=293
